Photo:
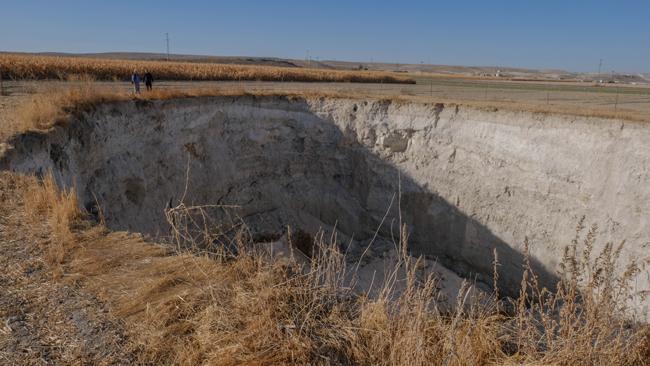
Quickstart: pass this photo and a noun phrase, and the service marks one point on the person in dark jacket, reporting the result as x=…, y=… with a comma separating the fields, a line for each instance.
x=135, y=80
x=148, y=80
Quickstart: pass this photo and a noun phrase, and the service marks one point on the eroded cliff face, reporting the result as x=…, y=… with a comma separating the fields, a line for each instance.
x=466, y=181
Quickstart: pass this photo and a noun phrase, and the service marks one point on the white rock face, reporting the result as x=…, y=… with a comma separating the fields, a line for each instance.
x=471, y=180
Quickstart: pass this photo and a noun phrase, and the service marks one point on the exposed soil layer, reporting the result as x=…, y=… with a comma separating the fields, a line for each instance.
x=466, y=181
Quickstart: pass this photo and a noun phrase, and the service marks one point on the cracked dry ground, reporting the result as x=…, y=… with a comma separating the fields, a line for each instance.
x=47, y=320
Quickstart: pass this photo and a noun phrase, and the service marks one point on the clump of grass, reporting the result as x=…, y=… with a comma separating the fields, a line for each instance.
x=586, y=320
x=21, y=66
x=60, y=211
x=53, y=105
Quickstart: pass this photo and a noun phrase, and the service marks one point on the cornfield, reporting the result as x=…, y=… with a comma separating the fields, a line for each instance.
x=36, y=67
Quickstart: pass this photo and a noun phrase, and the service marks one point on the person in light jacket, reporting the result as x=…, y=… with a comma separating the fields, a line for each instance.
x=135, y=80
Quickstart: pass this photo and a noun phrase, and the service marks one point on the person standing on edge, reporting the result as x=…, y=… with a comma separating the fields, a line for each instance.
x=148, y=80
x=135, y=80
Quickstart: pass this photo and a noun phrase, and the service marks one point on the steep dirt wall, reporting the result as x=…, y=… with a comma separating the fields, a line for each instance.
x=467, y=181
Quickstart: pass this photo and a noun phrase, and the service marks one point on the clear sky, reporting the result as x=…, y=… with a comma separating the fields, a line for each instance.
x=569, y=34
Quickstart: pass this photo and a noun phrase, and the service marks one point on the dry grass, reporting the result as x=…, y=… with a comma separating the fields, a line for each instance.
x=248, y=309
x=60, y=210
x=55, y=104
x=45, y=321
x=21, y=67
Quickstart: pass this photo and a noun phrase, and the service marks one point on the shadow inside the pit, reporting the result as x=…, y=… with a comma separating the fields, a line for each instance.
x=349, y=186
x=437, y=228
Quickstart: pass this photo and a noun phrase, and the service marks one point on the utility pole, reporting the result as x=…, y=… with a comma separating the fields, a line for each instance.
x=167, y=41
x=600, y=66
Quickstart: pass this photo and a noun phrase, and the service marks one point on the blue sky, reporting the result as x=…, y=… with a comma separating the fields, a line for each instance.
x=569, y=34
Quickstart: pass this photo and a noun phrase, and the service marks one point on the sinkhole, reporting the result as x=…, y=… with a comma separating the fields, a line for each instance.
x=466, y=182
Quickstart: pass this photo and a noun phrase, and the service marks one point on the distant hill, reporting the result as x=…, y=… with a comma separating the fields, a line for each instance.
x=265, y=61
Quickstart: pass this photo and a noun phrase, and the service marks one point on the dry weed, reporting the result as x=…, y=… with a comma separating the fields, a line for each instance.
x=247, y=308
x=60, y=211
